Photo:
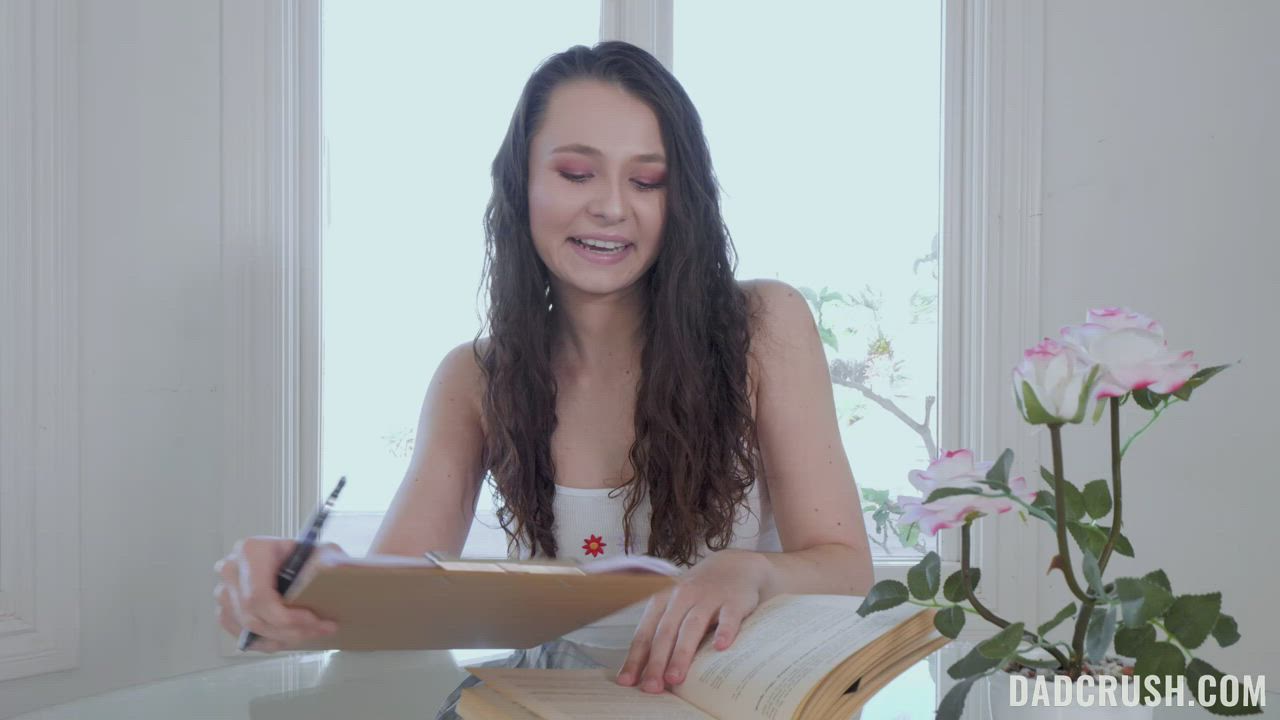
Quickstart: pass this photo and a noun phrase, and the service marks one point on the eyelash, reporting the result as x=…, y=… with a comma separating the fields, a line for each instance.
x=639, y=185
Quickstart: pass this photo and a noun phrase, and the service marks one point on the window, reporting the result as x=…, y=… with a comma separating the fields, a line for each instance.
x=826, y=133
x=844, y=201
x=408, y=141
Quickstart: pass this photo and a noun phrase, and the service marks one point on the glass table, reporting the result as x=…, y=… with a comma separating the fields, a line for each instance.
x=395, y=685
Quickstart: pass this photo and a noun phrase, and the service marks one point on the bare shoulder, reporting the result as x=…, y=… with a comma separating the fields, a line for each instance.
x=460, y=377
x=780, y=318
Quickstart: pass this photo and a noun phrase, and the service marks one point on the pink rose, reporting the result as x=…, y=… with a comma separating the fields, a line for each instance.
x=956, y=469
x=1052, y=383
x=1131, y=349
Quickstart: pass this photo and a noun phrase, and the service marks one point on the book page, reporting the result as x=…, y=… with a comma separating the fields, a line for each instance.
x=583, y=695
x=784, y=648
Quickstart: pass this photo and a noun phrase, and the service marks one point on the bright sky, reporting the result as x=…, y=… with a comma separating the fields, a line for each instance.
x=824, y=124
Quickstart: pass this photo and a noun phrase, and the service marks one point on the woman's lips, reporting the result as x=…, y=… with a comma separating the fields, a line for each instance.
x=602, y=258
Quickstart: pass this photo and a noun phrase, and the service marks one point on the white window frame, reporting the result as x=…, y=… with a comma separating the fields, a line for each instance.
x=39, y=339
x=992, y=199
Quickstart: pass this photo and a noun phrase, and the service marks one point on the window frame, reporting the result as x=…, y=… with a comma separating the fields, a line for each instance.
x=992, y=198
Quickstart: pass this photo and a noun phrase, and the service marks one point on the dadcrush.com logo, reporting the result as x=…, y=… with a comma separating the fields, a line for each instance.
x=1209, y=691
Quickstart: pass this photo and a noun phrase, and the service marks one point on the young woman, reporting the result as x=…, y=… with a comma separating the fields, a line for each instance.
x=631, y=395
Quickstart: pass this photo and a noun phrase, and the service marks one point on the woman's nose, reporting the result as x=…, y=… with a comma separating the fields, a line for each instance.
x=607, y=205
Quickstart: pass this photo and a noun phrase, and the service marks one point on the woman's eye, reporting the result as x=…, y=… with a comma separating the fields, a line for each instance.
x=574, y=178
x=648, y=186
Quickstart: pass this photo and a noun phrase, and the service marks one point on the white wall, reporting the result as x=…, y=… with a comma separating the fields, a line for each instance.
x=1162, y=175
x=150, y=304
x=1159, y=174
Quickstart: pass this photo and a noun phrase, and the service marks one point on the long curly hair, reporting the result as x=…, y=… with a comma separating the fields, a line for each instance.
x=695, y=453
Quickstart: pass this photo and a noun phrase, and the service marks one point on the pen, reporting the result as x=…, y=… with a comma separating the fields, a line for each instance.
x=293, y=564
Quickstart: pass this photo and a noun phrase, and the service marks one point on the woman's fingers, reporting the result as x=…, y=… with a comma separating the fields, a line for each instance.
x=692, y=631
x=642, y=640
x=728, y=625
x=664, y=640
x=247, y=597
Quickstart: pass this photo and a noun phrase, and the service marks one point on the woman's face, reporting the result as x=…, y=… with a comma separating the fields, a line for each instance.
x=597, y=188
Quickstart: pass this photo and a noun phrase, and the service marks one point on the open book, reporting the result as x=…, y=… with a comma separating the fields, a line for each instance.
x=796, y=656
x=384, y=602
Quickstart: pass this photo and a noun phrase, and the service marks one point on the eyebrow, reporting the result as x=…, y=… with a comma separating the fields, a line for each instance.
x=588, y=150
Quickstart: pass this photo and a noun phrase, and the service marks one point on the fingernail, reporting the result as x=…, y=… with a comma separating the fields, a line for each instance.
x=625, y=678
x=673, y=676
x=652, y=685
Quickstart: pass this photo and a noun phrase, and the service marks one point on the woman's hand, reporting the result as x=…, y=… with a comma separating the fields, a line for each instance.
x=722, y=589
x=247, y=596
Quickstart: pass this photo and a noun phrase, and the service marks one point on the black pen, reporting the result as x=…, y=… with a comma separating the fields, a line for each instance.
x=293, y=565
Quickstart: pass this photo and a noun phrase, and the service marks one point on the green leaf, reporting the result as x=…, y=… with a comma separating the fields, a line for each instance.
x=999, y=471
x=1049, y=664
x=1130, y=641
x=884, y=595
x=954, y=591
x=922, y=579
x=809, y=295
x=1141, y=601
x=1098, y=409
x=830, y=295
x=908, y=535
x=1158, y=577
x=1097, y=498
x=1160, y=659
x=1063, y=614
x=1145, y=399
x=975, y=663
x=1072, y=496
x=1101, y=630
x=1033, y=412
x=1093, y=575
x=875, y=495
x=952, y=705
x=829, y=338
x=951, y=491
x=1090, y=538
x=1225, y=630
x=1198, y=668
x=1200, y=378
x=949, y=621
x=1192, y=617
x=1122, y=546
x=1042, y=507
x=1002, y=644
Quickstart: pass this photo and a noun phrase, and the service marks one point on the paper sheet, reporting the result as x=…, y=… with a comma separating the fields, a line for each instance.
x=765, y=674
x=584, y=695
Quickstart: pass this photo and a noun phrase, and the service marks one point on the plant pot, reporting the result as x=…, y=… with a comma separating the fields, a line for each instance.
x=999, y=700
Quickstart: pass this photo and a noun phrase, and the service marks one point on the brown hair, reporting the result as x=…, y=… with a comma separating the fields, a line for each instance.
x=695, y=452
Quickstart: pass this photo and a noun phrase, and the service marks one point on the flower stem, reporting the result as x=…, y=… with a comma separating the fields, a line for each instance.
x=982, y=609
x=1116, y=456
x=1155, y=415
x=1060, y=511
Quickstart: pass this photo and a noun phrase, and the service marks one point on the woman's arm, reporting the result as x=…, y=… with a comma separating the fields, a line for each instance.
x=815, y=500
x=436, y=501
x=815, y=504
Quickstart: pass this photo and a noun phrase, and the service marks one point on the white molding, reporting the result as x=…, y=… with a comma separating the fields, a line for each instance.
x=39, y=340
x=645, y=23
x=992, y=168
x=270, y=226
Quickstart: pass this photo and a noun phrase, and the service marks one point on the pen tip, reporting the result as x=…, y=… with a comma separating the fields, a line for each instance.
x=341, y=481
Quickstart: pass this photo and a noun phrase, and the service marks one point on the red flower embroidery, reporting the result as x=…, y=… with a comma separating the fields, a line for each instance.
x=594, y=545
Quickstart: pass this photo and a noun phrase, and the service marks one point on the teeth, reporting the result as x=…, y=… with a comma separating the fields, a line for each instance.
x=602, y=244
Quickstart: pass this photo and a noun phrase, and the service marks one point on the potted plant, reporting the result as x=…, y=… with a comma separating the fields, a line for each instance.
x=1114, y=357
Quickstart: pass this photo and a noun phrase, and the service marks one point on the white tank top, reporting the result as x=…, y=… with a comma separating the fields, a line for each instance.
x=589, y=526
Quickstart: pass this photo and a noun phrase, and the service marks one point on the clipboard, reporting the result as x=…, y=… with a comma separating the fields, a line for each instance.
x=436, y=602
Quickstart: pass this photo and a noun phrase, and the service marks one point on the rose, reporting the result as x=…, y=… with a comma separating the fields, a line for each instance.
x=1132, y=351
x=956, y=471
x=1052, y=383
